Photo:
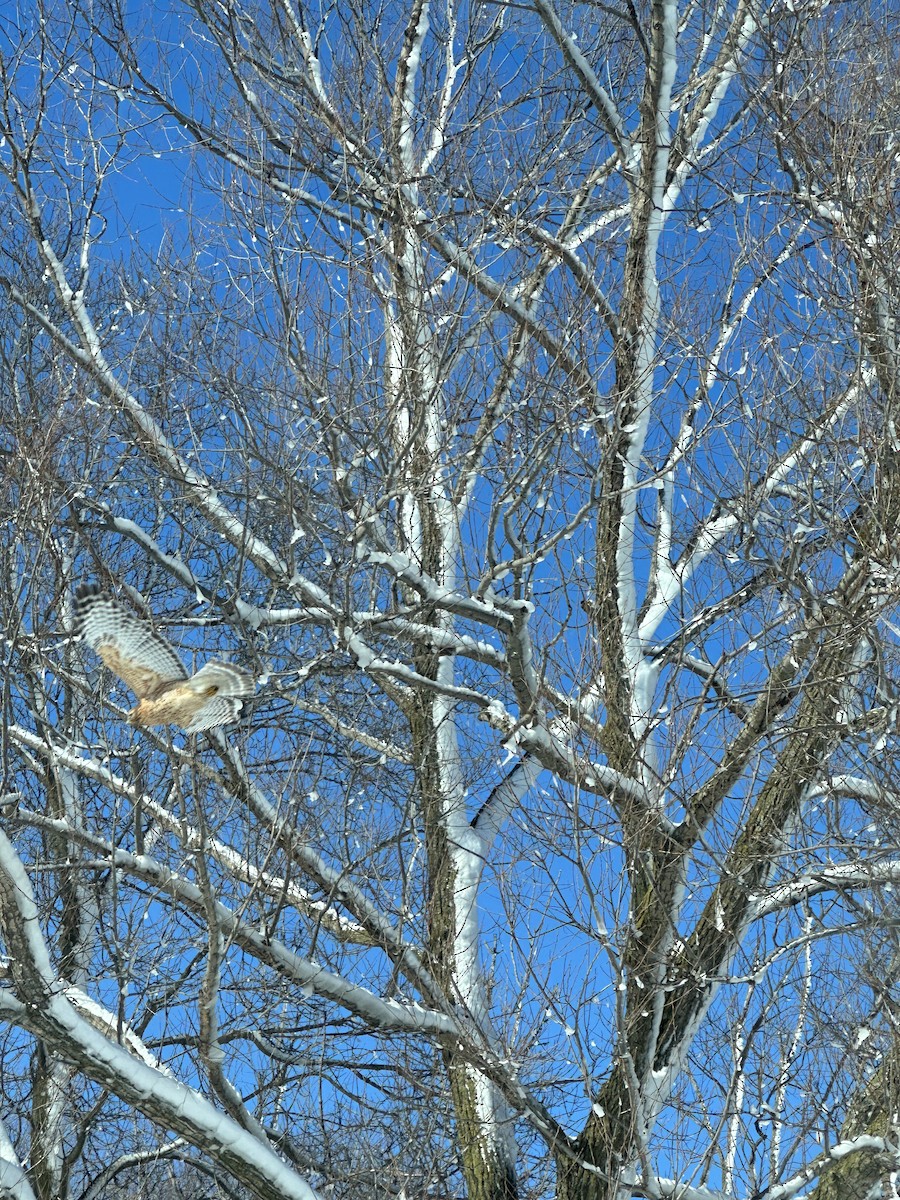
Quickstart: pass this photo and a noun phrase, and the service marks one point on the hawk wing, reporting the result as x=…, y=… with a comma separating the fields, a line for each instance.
x=225, y=686
x=127, y=645
x=221, y=710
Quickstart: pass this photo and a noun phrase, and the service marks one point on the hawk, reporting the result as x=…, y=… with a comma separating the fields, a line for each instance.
x=154, y=672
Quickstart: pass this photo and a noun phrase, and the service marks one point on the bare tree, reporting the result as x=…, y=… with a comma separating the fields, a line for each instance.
x=513, y=389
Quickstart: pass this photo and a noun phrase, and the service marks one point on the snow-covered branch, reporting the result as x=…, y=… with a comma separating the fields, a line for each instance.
x=39, y=1003
x=14, y=1180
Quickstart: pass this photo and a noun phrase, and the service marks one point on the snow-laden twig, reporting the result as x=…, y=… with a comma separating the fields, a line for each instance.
x=211, y=1052
x=352, y=733
x=786, y=1069
x=556, y=756
x=90, y=356
x=669, y=579
x=303, y=972
x=586, y=280
x=172, y=563
x=451, y=69
x=713, y=90
x=374, y=927
x=656, y=1188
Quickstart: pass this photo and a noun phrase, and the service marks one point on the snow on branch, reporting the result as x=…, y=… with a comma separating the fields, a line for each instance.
x=492, y=815
x=598, y=95
x=836, y=877
x=404, y=101
x=374, y=927
x=697, y=119
x=334, y=882
x=877, y=1145
x=178, y=1148
x=391, y=1015
x=723, y=522
x=90, y=356
x=170, y=562
x=158, y=1096
x=308, y=975
x=352, y=733
x=674, y=1189
x=29, y=959
x=284, y=892
x=14, y=1181
x=68, y=1021
x=405, y=570
x=372, y=195
x=547, y=746
x=112, y=1026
